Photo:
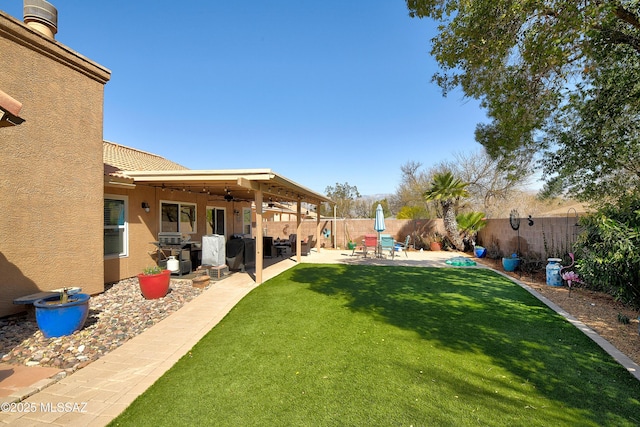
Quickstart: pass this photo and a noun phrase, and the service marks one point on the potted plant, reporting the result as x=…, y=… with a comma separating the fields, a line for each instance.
x=480, y=251
x=469, y=223
x=511, y=263
x=62, y=314
x=154, y=282
x=435, y=242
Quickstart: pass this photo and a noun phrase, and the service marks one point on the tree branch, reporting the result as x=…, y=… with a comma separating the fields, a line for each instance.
x=627, y=16
x=618, y=37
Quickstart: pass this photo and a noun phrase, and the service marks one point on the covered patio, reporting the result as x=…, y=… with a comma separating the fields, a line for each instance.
x=260, y=186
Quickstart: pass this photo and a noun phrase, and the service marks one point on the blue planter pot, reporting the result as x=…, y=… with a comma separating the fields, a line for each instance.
x=480, y=251
x=56, y=320
x=510, y=264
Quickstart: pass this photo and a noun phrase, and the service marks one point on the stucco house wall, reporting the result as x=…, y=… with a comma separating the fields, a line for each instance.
x=143, y=227
x=51, y=173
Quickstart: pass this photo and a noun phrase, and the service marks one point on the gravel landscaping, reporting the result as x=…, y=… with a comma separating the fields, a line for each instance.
x=115, y=316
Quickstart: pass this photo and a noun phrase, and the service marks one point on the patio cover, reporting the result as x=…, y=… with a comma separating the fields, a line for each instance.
x=257, y=185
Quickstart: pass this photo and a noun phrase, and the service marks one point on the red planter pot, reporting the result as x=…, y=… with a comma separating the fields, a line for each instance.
x=435, y=246
x=154, y=286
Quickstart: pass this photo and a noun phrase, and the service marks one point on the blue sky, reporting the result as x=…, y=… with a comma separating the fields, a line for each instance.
x=320, y=92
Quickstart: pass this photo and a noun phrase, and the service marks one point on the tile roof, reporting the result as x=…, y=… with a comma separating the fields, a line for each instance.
x=118, y=158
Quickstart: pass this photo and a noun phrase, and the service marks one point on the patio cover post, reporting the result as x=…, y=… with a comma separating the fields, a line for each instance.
x=335, y=227
x=259, y=240
x=317, y=245
x=298, y=231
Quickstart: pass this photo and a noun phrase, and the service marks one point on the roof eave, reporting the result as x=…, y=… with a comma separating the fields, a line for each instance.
x=265, y=180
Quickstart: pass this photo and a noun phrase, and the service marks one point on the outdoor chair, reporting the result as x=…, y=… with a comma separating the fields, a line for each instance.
x=305, y=246
x=369, y=243
x=353, y=247
x=387, y=243
x=404, y=246
x=292, y=241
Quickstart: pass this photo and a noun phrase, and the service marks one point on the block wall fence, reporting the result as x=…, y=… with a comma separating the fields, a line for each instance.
x=547, y=237
x=351, y=229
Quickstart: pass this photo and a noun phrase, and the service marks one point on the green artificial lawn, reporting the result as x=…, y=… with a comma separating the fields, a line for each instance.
x=338, y=345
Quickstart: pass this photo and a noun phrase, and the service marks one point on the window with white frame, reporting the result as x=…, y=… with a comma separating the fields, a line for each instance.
x=216, y=221
x=116, y=226
x=178, y=217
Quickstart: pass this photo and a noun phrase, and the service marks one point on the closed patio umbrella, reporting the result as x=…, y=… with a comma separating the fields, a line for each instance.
x=378, y=224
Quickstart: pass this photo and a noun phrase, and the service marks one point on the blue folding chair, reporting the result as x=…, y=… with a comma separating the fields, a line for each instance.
x=403, y=246
x=387, y=244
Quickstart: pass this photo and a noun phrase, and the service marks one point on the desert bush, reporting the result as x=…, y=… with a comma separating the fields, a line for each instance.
x=608, y=250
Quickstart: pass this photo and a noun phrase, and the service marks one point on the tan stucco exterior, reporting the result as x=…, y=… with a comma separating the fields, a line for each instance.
x=143, y=226
x=56, y=170
x=51, y=167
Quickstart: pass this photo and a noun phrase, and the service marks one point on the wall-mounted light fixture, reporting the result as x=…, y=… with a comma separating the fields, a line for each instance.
x=146, y=206
x=236, y=212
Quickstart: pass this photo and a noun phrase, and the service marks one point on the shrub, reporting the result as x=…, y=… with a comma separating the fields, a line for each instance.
x=608, y=250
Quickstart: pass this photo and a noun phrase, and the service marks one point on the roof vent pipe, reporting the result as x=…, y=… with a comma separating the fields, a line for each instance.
x=41, y=16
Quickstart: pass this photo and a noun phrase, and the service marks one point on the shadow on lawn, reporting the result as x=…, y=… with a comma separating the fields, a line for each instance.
x=477, y=310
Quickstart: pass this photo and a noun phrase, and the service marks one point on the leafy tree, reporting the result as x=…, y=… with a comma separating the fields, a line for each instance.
x=409, y=193
x=536, y=66
x=490, y=188
x=365, y=207
x=344, y=195
x=385, y=208
x=361, y=208
x=446, y=190
x=598, y=132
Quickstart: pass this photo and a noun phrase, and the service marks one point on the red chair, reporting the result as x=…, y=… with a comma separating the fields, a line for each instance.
x=370, y=243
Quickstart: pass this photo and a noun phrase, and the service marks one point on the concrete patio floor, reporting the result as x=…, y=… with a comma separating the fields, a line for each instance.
x=96, y=394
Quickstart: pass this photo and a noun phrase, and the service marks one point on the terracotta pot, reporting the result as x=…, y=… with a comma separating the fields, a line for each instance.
x=435, y=246
x=154, y=286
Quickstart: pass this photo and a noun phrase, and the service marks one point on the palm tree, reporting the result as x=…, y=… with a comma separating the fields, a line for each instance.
x=469, y=224
x=447, y=189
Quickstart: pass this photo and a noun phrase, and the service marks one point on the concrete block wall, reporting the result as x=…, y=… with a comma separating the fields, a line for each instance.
x=352, y=229
x=547, y=237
